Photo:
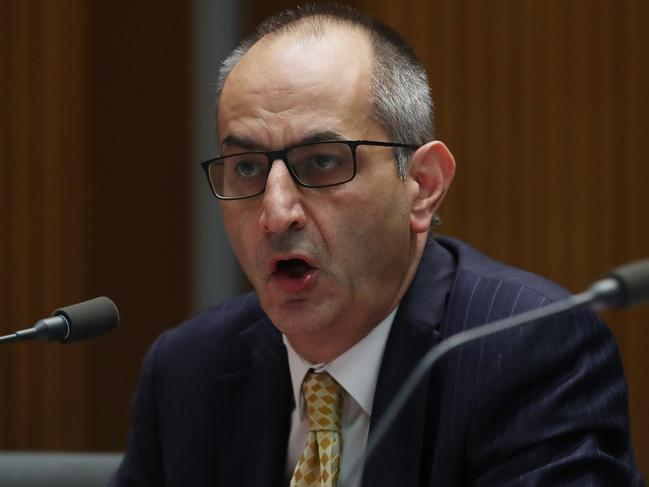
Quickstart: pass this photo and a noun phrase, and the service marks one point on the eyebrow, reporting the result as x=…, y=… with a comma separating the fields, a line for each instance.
x=244, y=143
x=322, y=136
x=249, y=144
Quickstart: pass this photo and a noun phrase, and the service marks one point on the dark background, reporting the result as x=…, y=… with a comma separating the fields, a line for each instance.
x=543, y=103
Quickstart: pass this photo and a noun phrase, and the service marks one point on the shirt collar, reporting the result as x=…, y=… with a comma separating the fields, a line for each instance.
x=356, y=370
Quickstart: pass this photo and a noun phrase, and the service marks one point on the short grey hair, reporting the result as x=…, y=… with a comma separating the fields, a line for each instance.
x=400, y=93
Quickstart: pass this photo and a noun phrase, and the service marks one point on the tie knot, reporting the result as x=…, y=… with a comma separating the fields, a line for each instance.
x=323, y=396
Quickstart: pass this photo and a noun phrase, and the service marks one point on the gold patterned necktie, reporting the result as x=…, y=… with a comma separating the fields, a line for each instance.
x=319, y=464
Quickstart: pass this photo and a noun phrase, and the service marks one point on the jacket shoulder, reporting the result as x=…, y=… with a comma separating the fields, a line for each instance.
x=477, y=273
x=211, y=339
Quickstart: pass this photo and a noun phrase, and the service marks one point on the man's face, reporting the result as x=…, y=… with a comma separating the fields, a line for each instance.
x=330, y=263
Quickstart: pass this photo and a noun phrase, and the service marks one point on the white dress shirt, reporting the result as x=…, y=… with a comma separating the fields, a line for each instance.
x=356, y=371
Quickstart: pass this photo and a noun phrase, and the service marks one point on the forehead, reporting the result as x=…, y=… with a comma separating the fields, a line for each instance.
x=290, y=85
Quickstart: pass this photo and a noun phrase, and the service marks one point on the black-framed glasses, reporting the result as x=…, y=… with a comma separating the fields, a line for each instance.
x=312, y=165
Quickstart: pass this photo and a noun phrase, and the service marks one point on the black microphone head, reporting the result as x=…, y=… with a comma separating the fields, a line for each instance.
x=90, y=318
x=633, y=282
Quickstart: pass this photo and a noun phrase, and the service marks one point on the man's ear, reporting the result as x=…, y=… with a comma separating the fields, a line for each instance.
x=431, y=171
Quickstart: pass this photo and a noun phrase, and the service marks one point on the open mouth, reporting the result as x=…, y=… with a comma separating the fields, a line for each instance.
x=293, y=268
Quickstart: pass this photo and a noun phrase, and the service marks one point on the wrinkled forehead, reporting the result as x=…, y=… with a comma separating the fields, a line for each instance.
x=297, y=78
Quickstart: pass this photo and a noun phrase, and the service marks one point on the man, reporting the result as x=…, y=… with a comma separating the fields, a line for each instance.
x=329, y=180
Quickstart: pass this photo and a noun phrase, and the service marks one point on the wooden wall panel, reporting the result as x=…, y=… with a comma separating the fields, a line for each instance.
x=139, y=152
x=93, y=200
x=43, y=235
x=544, y=105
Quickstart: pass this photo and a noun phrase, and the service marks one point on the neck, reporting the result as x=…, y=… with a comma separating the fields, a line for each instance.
x=324, y=351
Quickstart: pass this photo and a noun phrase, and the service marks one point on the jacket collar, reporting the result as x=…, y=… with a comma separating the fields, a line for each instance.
x=415, y=331
x=258, y=401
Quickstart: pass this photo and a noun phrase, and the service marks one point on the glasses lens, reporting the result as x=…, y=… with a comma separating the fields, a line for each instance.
x=239, y=175
x=322, y=164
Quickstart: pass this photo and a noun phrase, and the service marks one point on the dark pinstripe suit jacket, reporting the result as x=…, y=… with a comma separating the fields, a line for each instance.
x=544, y=404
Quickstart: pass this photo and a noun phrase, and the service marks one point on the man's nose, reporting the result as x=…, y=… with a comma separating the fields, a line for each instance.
x=281, y=201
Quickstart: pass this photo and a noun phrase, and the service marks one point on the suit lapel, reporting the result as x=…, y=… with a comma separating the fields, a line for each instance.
x=256, y=404
x=398, y=459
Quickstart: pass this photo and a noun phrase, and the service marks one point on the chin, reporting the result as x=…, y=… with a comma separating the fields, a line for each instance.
x=299, y=322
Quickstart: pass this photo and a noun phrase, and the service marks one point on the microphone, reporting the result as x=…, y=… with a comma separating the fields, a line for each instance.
x=72, y=323
x=623, y=287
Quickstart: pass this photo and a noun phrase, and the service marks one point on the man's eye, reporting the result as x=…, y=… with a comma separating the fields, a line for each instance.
x=246, y=169
x=324, y=161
